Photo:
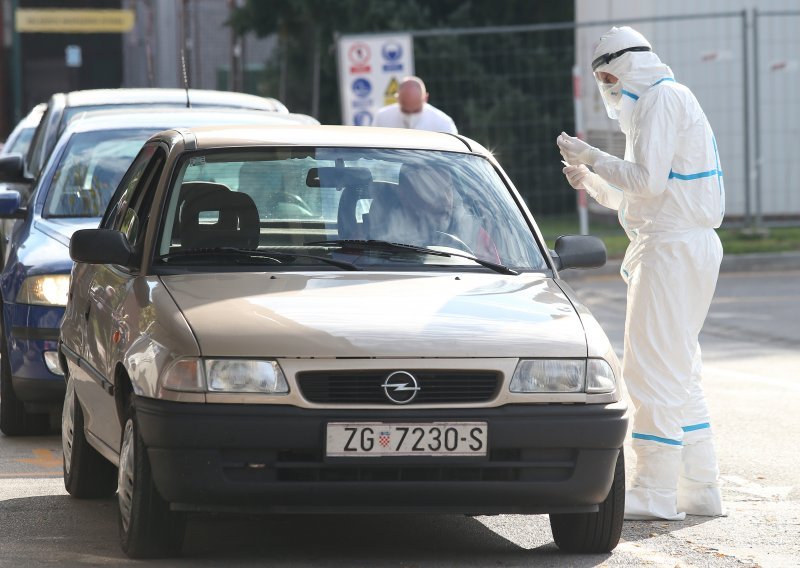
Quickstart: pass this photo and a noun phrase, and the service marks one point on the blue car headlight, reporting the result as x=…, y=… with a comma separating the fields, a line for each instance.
x=44, y=290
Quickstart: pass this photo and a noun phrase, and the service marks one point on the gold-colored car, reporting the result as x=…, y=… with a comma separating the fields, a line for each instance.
x=334, y=319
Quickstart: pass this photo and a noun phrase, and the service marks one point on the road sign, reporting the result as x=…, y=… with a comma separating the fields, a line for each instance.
x=74, y=56
x=370, y=68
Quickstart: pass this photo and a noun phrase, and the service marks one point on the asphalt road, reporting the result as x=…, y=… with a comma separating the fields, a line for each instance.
x=750, y=345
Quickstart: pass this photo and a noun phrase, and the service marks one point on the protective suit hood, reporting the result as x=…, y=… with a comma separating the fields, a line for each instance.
x=637, y=71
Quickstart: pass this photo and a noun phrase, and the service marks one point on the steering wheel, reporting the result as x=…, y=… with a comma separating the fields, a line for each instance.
x=454, y=240
x=292, y=198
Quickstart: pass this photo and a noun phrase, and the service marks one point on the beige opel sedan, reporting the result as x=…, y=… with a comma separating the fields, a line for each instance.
x=319, y=319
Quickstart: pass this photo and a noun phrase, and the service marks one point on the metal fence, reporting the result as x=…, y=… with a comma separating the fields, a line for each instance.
x=776, y=48
x=510, y=88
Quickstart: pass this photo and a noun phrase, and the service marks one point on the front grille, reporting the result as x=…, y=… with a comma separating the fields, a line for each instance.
x=523, y=465
x=364, y=387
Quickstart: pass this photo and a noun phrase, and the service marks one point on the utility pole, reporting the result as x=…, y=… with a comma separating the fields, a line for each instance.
x=16, y=66
x=235, y=79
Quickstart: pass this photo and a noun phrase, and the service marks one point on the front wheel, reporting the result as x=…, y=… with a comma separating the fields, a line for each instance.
x=87, y=474
x=594, y=532
x=147, y=526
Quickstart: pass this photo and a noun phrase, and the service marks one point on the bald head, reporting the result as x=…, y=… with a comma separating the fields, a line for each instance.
x=411, y=95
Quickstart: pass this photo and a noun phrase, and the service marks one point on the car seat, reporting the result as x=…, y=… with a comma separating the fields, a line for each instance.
x=236, y=223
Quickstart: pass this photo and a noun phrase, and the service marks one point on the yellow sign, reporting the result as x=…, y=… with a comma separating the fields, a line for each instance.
x=390, y=94
x=74, y=21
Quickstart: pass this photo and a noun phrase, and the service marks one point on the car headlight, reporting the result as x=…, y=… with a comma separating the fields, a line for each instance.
x=44, y=290
x=563, y=375
x=225, y=375
x=241, y=375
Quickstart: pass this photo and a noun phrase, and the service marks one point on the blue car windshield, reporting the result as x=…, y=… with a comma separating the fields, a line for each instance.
x=90, y=169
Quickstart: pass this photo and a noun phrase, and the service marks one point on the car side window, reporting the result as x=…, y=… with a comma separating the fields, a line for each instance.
x=135, y=217
x=119, y=202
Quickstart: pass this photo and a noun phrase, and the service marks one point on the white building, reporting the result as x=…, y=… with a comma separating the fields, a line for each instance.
x=740, y=58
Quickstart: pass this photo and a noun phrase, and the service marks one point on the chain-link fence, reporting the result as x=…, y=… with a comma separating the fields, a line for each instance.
x=510, y=88
x=777, y=117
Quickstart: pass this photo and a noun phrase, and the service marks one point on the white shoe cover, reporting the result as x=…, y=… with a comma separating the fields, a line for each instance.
x=643, y=504
x=654, y=491
x=700, y=499
x=698, y=485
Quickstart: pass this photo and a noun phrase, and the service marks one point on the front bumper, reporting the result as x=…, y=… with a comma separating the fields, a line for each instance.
x=542, y=459
x=33, y=330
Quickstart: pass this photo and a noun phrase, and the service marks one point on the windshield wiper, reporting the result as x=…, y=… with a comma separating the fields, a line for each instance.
x=277, y=256
x=372, y=244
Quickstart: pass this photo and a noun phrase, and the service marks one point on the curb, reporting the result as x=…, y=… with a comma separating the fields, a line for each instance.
x=730, y=263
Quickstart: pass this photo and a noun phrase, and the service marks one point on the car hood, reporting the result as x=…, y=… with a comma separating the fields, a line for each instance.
x=378, y=315
x=44, y=249
x=61, y=229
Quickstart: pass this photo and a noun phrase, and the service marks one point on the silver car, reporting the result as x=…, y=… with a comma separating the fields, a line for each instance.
x=345, y=319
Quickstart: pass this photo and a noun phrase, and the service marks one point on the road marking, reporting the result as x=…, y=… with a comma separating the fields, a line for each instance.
x=754, y=299
x=32, y=474
x=20, y=487
x=47, y=459
x=782, y=382
x=743, y=485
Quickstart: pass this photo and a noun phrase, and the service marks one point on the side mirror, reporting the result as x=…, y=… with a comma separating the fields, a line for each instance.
x=579, y=251
x=10, y=201
x=100, y=246
x=12, y=169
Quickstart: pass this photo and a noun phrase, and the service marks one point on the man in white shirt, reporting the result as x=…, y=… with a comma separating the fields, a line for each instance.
x=413, y=111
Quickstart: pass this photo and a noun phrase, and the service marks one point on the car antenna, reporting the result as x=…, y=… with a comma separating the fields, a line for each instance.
x=185, y=77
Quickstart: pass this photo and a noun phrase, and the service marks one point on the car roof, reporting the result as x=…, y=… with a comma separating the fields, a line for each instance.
x=32, y=119
x=174, y=96
x=169, y=118
x=346, y=136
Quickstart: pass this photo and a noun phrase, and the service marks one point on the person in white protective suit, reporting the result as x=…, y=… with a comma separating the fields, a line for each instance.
x=670, y=197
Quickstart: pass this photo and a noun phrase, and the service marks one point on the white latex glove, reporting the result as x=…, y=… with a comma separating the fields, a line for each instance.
x=576, y=151
x=576, y=175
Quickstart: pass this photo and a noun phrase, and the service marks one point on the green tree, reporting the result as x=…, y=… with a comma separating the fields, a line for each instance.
x=510, y=91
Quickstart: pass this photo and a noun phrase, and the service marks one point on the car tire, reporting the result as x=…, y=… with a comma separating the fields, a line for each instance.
x=87, y=474
x=14, y=420
x=594, y=532
x=147, y=526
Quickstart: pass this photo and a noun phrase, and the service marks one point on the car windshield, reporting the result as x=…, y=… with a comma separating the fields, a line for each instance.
x=304, y=205
x=21, y=143
x=89, y=170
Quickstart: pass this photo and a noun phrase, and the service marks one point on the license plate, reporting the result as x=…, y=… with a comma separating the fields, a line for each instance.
x=406, y=439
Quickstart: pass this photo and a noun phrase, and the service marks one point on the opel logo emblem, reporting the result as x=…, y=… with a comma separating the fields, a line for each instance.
x=400, y=387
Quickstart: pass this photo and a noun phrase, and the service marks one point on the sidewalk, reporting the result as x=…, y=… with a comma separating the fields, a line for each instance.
x=730, y=263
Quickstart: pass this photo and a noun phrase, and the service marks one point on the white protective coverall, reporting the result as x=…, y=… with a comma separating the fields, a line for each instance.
x=670, y=197
x=429, y=118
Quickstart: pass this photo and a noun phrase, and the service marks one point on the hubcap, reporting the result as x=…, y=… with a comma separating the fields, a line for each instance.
x=126, y=474
x=68, y=425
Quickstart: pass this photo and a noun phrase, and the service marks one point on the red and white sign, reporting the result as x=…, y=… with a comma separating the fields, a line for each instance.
x=370, y=67
x=359, y=55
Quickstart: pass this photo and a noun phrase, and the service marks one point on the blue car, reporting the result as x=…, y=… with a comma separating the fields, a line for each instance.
x=72, y=193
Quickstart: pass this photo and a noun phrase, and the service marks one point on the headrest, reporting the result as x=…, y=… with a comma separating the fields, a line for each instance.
x=232, y=221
